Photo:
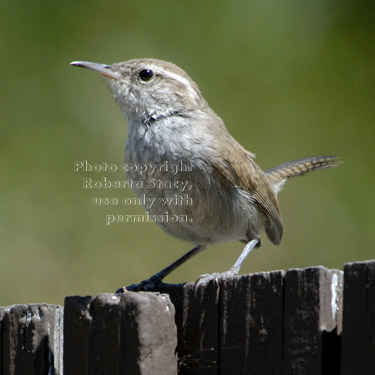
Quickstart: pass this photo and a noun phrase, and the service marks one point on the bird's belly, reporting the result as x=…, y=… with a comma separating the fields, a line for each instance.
x=186, y=210
x=192, y=205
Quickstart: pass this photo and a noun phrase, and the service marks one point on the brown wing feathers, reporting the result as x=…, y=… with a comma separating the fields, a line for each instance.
x=240, y=170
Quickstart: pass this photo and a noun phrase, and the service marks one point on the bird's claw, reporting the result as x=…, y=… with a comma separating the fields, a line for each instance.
x=148, y=285
x=216, y=278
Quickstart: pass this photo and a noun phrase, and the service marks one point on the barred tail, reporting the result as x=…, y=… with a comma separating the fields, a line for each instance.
x=277, y=176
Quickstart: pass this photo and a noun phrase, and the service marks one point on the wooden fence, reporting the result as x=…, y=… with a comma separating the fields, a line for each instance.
x=303, y=321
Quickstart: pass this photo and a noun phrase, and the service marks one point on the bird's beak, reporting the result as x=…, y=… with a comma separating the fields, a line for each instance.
x=103, y=69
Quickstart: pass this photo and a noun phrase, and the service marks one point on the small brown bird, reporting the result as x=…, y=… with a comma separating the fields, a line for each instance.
x=170, y=121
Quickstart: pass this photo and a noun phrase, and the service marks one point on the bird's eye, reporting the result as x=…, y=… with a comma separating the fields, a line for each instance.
x=146, y=74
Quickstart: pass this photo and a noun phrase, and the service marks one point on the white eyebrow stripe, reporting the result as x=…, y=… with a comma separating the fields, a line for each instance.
x=180, y=79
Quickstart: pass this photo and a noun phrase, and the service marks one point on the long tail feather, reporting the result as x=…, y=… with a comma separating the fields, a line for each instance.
x=278, y=175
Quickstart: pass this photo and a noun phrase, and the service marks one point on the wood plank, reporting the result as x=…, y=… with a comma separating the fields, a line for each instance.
x=32, y=339
x=358, y=335
x=197, y=320
x=251, y=335
x=131, y=334
x=312, y=305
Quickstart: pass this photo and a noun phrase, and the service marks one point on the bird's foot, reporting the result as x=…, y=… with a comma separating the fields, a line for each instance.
x=148, y=285
x=216, y=278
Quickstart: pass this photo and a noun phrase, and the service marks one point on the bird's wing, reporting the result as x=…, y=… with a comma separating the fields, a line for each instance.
x=235, y=166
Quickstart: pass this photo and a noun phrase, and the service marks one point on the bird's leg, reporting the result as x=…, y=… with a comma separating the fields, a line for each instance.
x=234, y=270
x=149, y=284
x=245, y=252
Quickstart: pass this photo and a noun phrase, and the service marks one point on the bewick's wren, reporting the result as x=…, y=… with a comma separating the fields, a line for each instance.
x=169, y=120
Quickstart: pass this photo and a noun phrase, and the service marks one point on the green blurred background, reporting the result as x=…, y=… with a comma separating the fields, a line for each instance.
x=290, y=79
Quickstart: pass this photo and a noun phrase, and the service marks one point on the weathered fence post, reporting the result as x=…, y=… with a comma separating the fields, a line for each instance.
x=131, y=334
x=303, y=321
x=266, y=323
x=251, y=324
x=358, y=336
x=31, y=339
x=233, y=326
x=312, y=309
x=198, y=336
